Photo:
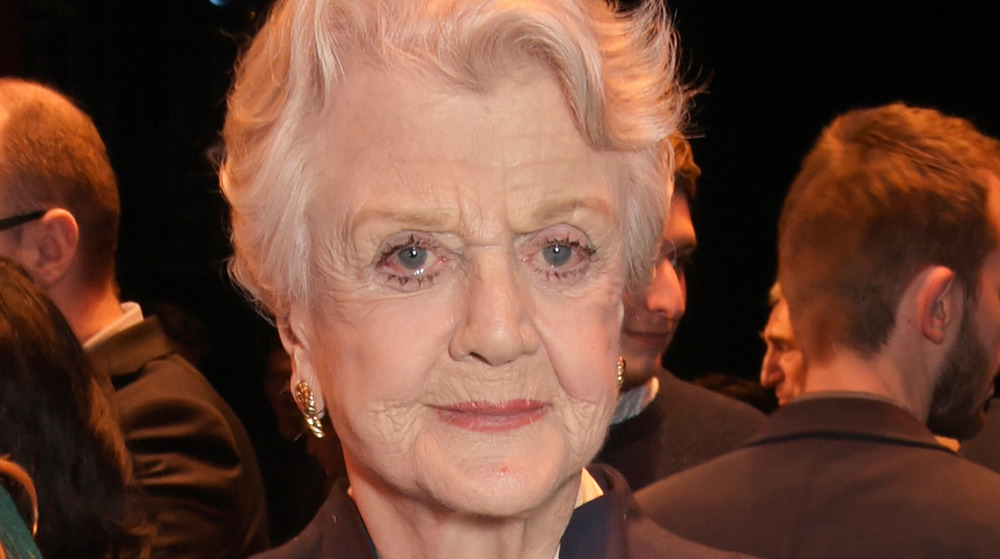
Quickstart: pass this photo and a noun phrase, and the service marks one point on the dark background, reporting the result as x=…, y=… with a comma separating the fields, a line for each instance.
x=154, y=77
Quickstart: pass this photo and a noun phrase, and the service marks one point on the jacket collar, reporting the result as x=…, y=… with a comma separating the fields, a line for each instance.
x=126, y=352
x=846, y=416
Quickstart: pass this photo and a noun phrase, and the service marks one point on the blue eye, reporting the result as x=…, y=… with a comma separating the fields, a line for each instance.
x=557, y=255
x=412, y=262
x=560, y=255
x=413, y=258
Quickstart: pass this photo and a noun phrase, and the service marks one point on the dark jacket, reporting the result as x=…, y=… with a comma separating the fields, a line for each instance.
x=984, y=447
x=192, y=455
x=685, y=425
x=836, y=477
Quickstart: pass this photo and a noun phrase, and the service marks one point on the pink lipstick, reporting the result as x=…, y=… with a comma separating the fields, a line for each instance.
x=489, y=417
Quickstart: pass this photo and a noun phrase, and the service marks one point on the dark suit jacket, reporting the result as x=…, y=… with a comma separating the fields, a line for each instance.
x=684, y=426
x=192, y=456
x=836, y=477
x=607, y=527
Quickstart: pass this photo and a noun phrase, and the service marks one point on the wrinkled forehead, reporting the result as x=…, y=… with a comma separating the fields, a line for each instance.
x=417, y=145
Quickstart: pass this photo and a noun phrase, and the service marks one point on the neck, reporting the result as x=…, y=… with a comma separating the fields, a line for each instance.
x=405, y=526
x=880, y=376
x=88, y=310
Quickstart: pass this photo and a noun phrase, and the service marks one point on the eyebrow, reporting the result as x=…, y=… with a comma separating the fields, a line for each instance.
x=424, y=218
x=569, y=206
x=438, y=217
x=775, y=337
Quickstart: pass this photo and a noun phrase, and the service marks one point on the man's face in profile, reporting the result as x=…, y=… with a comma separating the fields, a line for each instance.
x=651, y=318
x=783, y=368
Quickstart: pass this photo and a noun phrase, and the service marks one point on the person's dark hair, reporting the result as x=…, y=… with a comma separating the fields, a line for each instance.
x=884, y=193
x=57, y=423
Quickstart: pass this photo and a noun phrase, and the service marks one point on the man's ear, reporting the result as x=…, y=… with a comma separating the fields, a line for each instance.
x=293, y=330
x=939, y=302
x=49, y=247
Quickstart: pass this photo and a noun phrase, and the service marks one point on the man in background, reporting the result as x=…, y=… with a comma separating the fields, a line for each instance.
x=889, y=258
x=663, y=424
x=60, y=210
x=783, y=368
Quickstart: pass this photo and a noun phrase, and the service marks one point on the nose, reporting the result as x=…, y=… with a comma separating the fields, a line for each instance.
x=771, y=374
x=496, y=327
x=666, y=293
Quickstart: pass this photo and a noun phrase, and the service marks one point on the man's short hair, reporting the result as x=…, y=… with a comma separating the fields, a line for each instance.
x=885, y=193
x=686, y=171
x=51, y=156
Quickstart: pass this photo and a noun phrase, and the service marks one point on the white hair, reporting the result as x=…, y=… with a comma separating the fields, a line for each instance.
x=617, y=72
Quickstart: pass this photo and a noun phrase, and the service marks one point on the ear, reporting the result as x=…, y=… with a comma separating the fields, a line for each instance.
x=939, y=301
x=294, y=331
x=50, y=247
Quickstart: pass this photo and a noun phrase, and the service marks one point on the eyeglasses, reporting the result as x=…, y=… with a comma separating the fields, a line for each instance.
x=14, y=221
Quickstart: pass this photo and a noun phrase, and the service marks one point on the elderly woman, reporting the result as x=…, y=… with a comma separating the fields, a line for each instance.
x=440, y=202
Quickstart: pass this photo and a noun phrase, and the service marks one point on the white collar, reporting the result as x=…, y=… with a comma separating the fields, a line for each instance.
x=131, y=315
x=632, y=402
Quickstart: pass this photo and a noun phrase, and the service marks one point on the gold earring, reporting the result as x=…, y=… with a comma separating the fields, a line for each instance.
x=307, y=405
x=621, y=371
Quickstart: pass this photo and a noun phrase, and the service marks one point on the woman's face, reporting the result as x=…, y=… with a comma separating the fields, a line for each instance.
x=468, y=284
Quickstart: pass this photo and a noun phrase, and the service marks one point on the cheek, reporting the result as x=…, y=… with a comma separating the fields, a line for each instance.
x=581, y=337
x=793, y=366
x=634, y=305
x=378, y=355
x=582, y=343
x=988, y=331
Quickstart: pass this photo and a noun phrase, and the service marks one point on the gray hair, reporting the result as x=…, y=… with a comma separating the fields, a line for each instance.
x=617, y=71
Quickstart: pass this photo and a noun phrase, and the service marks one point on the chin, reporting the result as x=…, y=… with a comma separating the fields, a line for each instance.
x=641, y=363
x=512, y=493
x=505, y=476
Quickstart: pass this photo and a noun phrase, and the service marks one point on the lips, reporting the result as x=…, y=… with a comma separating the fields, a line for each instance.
x=490, y=417
x=648, y=337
